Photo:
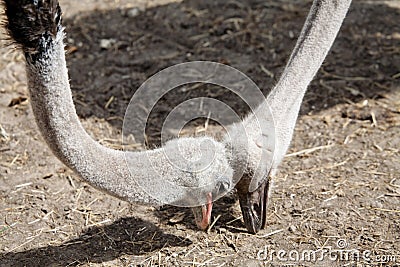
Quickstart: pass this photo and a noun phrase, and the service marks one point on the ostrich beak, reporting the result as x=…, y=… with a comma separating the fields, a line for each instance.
x=202, y=214
x=253, y=204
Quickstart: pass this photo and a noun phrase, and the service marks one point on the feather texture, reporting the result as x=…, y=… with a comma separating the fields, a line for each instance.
x=33, y=23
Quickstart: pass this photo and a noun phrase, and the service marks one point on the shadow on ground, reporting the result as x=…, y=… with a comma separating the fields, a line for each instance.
x=129, y=236
x=115, y=52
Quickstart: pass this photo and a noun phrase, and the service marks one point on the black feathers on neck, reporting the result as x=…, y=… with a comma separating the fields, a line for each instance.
x=32, y=24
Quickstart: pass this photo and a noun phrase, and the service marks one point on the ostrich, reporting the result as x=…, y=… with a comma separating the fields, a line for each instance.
x=316, y=38
x=36, y=27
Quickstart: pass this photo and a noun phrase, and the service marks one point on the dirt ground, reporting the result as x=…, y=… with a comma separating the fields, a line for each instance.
x=338, y=187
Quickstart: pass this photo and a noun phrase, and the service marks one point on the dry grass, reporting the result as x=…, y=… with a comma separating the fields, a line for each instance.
x=340, y=179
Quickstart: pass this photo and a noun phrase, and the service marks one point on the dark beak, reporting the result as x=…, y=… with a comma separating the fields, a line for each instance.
x=253, y=204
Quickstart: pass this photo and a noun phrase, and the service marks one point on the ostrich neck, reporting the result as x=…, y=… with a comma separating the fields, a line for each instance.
x=56, y=117
x=316, y=38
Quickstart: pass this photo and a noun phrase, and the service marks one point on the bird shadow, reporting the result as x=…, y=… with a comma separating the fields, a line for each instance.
x=126, y=236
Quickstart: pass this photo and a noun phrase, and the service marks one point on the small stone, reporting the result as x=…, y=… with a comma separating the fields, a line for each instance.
x=107, y=43
x=133, y=12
